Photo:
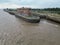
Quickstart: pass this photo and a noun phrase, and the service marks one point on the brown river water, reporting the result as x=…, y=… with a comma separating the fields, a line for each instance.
x=15, y=31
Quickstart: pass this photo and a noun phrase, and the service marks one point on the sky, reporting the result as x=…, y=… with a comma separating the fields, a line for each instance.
x=29, y=3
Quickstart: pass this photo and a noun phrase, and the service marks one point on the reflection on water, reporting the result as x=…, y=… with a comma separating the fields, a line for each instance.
x=15, y=31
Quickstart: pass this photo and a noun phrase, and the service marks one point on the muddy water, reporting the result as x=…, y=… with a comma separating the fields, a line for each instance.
x=14, y=31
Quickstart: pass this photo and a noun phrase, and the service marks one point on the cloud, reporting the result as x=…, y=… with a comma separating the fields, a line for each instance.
x=29, y=3
x=7, y=5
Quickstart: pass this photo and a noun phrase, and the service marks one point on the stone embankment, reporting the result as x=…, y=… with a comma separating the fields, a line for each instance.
x=50, y=16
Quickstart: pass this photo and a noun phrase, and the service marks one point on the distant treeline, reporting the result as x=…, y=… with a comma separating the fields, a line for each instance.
x=48, y=9
x=52, y=10
x=45, y=9
x=10, y=9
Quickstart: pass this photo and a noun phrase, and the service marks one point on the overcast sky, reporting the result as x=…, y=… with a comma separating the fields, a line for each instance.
x=29, y=3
